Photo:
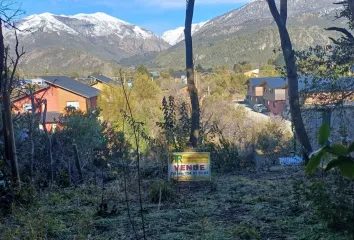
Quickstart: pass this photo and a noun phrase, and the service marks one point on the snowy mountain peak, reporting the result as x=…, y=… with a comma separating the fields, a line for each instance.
x=97, y=24
x=47, y=22
x=99, y=16
x=177, y=35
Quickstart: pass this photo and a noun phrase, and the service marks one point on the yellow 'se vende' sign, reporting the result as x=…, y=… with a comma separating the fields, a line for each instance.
x=185, y=166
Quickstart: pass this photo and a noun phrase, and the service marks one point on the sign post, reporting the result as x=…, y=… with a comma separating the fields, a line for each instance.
x=189, y=166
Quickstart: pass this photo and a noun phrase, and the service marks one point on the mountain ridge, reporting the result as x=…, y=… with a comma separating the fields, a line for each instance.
x=176, y=35
x=249, y=33
x=99, y=35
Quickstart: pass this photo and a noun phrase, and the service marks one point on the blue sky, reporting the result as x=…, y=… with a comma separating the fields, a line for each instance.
x=155, y=15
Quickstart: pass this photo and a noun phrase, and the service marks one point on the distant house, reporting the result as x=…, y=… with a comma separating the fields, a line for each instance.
x=60, y=93
x=274, y=94
x=254, y=91
x=326, y=101
x=155, y=74
x=98, y=81
x=252, y=73
x=180, y=75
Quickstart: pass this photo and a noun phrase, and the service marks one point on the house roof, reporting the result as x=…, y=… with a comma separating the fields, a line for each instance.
x=104, y=79
x=312, y=84
x=274, y=82
x=255, y=81
x=72, y=85
x=179, y=74
x=155, y=74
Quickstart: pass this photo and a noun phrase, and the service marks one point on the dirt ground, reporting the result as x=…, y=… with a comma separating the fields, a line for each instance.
x=234, y=206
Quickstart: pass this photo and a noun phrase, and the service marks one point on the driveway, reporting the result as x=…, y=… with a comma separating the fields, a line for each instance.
x=260, y=117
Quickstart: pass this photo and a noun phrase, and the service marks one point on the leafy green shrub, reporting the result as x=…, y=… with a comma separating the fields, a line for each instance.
x=26, y=194
x=246, y=232
x=63, y=178
x=329, y=199
x=332, y=202
x=164, y=187
x=224, y=153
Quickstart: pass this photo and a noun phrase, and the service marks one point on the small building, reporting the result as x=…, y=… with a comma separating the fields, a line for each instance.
x=254, y=91
x=181, y=75
x=60, y=93
x=99, y=80
x=274, y=94
x=155, y=74
x=252, y=73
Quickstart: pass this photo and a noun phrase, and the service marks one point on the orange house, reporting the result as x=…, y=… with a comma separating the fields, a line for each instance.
x=60, y=92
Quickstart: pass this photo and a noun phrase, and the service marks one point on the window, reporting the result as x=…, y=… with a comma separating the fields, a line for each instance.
x=27, y=107
x=274, y=104
x=75, y=105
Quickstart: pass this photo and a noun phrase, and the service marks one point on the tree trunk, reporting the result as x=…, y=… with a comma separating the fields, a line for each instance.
x=193, y=91
x=351, y=8
x=31, y=133
x=10, y=139
x=291, y=69
x=77, y=163
x=49, y=142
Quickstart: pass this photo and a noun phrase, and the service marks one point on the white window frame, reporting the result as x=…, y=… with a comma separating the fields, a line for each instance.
x=74, y=104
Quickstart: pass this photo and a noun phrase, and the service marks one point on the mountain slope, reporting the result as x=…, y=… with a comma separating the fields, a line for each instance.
x=250, y=34
x=99, y=35
x=177, y=35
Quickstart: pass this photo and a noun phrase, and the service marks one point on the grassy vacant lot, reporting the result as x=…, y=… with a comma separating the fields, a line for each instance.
x=235, y=206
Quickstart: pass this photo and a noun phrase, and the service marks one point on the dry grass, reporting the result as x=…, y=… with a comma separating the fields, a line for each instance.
x=238, y=206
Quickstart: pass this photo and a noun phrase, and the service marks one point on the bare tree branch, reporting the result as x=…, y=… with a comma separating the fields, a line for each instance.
x=349, y=36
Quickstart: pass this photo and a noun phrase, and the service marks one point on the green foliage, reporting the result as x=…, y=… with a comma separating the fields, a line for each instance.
x=269, y=70
x=331, y=200
x=176, y=125
x=225, y=83
x=199, y=68
x=85, y=129
x=63, y=179
x=74, y=75
x=141, y=69
x=323, y=134
x=26, y=195
x=225, y=154
x=274, y=139
x=341, y=154
x=241, y=67
x=144, y=98
x=314, y=162
x=161, y=188
x=246, y=232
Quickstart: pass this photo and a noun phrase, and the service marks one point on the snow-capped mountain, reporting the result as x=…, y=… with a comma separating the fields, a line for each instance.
x=249, y=33
x=177, y=35
x=97, y=34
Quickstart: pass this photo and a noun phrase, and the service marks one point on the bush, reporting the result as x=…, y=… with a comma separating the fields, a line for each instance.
x=245, y=231
x=330, y=198
x=166, y=189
